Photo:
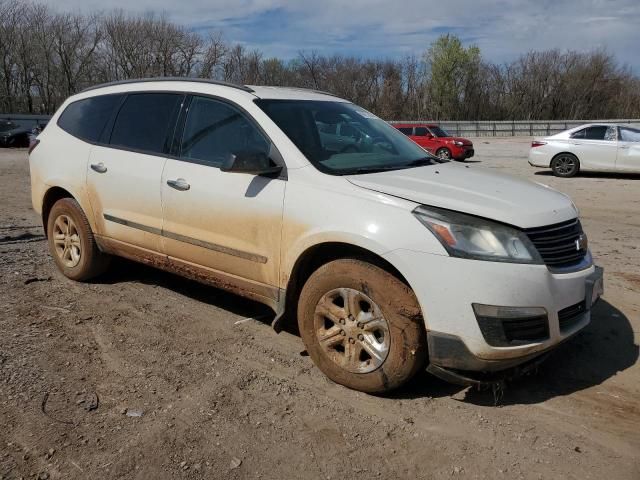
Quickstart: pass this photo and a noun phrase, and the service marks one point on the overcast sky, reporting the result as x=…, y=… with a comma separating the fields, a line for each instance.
x=503, y=28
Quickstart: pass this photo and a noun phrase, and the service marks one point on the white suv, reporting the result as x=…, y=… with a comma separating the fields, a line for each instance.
x=390, y=258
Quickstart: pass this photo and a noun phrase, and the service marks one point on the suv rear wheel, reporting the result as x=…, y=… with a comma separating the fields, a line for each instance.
x=362, y=326
x=71, y=242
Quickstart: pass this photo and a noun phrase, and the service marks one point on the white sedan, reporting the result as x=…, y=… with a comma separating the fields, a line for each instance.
x=591, y=147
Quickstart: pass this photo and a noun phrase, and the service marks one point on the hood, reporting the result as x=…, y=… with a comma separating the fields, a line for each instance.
x=475, y=191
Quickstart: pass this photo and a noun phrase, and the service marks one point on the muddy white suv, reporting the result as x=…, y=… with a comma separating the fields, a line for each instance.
x=389, y=258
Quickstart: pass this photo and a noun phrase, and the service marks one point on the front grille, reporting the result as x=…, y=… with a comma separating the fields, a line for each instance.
x=570, y=316
x=513, y=331
x=559, y=244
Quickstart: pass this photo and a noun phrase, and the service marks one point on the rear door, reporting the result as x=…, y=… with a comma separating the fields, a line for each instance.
x=596, y=147
x=628, y=150
x=125, y=169
x=225, y=222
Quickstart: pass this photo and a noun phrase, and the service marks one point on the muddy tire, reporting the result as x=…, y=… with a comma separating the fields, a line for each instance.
x=565, y=165
x=362, y=326
x=71, y=242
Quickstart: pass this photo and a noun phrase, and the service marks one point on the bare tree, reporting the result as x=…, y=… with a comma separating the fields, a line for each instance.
x=47, y=55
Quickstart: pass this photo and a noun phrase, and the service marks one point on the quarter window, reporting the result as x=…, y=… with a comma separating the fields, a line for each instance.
x=86, y=118
x=145, y=121
x=215, y=130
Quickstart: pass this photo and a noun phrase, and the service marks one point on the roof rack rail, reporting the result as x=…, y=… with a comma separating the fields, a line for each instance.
x=322, y=92
x=244, y=88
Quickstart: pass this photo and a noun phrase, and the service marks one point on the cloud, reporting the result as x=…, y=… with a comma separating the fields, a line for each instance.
x=381, y=28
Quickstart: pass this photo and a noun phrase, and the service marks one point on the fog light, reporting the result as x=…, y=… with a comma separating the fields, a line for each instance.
x=503, y=326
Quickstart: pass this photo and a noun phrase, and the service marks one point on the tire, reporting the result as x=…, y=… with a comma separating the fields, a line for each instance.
x=443, y=153
x=71, y=242
x=565, y=165
x=339, y=339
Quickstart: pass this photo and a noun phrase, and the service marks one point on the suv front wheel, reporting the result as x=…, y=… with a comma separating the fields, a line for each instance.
x=362, y=326
x=71, y=242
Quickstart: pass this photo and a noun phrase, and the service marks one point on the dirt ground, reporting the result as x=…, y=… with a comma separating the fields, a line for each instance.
x=144, y=375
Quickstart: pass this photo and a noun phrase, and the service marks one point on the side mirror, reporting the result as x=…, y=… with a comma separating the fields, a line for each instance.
x=253, y=163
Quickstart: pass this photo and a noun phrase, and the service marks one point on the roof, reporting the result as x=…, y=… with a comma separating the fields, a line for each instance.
x=265, y=92
x=168, y=79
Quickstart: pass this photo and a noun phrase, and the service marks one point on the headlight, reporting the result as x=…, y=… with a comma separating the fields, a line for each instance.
x=467, y=236
x=459, y=144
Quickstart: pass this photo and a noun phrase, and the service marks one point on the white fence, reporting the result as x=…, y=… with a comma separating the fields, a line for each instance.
x=533, y=128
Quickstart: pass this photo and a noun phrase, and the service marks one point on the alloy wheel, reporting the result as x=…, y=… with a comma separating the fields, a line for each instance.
x=66, y=241
x=444, y=154
x=565, y=165
x=351, y=330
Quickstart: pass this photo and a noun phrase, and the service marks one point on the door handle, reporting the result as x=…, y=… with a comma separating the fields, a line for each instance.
x=179, y=184
x=98, y=167
x=624, y=147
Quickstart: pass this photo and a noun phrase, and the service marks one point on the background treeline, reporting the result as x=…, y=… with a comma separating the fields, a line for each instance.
x=47, y=55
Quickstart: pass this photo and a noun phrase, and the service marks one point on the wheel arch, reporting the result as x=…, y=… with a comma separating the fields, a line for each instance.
x=51, y=196
x=312, y=258
x=564, y=152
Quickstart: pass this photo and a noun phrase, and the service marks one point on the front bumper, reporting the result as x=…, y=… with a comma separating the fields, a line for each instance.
x=446, y=288
x=461, y=153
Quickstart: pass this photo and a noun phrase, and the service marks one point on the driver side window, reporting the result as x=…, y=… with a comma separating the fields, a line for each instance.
x=214, y=130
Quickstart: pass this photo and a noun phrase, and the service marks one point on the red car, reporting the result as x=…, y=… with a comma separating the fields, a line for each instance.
x=435, y=140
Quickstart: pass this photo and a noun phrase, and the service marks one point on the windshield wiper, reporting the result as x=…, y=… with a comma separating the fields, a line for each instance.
x=430, y=160
x=421, y=162
x=356, y=171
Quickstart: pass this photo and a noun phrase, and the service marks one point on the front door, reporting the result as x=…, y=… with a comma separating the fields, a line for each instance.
x=423, y=137
x=125, y=171
x=222, y=221
x=628, y=150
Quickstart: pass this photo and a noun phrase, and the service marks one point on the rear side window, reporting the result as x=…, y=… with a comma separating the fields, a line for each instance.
x=629, y=134
x=406, y=130
x=600, y=132
x=86, y=118
x=421, y=131
x=145, y=121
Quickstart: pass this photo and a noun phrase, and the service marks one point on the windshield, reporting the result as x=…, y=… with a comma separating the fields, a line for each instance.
x=439, y=132
x=341, y=138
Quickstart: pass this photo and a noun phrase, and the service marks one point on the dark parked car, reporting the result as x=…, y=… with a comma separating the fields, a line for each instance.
x=15, y=135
